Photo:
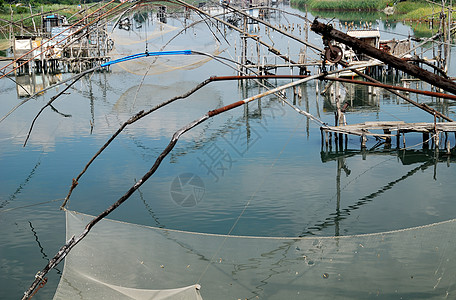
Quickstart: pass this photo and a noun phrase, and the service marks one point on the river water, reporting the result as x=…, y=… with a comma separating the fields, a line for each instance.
x=260, y=167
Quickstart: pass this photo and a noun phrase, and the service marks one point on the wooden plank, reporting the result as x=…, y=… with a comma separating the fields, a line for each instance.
x=364, y=128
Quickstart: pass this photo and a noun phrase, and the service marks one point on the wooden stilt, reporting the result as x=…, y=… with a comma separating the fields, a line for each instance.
x=425, y=140
x=363, y=140
x=322, y=138
x=388, y=139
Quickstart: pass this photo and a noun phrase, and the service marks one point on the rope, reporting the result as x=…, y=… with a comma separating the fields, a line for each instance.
x=421, y=143
x=30, y=205
x=283, y=238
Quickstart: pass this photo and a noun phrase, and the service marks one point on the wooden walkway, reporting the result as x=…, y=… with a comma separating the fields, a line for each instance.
x=388, y=129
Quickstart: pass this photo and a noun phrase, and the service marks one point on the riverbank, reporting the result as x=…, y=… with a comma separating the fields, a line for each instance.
x=26, y=17
x=405, y=10
x=342, y=5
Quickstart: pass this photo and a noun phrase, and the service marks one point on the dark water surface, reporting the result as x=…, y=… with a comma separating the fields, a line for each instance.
x=263, y=158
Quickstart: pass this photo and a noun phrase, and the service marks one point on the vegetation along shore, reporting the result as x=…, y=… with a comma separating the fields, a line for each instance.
x=416, y=10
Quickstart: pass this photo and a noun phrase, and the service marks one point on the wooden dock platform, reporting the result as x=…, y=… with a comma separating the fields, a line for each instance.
x=386, y=130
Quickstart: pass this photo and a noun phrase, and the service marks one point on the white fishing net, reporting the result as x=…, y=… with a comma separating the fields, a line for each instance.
x=130, y=42
x=129, y=38
x=116, y=257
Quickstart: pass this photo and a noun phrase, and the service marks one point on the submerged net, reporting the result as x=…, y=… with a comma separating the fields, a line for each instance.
x=415, y=263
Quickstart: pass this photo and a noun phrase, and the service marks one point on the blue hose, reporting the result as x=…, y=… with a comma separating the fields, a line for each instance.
x=145, y=54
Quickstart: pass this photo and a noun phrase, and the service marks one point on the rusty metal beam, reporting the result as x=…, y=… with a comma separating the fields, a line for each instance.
x=388, y=87
x=381, y=85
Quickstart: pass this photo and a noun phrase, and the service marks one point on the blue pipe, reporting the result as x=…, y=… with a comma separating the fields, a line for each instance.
x=145, y=54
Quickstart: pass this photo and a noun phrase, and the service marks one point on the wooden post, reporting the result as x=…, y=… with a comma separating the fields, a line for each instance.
x=388, y=139
x=11, y=28
x=259, y=55
x=363, y=141
x=33, y=20
x=42, y=20
x=341, y=141
x=322, y=137
x=244, y=47
x=326, y=140
x=425, y=140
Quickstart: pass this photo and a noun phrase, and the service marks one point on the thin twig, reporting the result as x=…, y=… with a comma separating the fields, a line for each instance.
x=62, y=114
x=46, y=89
x=49, y=104
x=133, y=119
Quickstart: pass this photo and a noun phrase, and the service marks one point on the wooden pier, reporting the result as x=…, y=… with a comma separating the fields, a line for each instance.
x=387, y=130
x=58, y=46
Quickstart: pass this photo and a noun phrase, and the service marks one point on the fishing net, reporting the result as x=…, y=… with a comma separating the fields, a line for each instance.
x=128, y=43
x=129, y=38
x=404, y=264
x=146, y=96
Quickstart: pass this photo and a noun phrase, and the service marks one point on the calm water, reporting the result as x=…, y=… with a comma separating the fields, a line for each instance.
x=264, y=158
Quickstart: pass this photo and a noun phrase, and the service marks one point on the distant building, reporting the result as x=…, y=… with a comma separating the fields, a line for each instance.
x=51, y=21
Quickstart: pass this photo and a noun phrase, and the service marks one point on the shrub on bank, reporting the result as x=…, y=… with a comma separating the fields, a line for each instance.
x=366, y=5
x=404, y=10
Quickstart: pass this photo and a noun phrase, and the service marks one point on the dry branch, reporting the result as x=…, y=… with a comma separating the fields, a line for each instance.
x=52, y=100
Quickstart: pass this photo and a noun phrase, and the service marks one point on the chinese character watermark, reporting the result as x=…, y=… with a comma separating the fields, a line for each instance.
x=217, y=160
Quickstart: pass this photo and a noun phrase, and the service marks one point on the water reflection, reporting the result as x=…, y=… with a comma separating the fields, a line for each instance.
x=44, y=255
x=23, y=184
x=27, y=85
x=425, y=158
x=358, y=97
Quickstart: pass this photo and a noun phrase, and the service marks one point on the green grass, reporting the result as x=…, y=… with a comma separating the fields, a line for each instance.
x=365, y=5
x=405, y=10
x=351, y=15
x=410, y=6
x=21, y=14
x=4, y=44
x=410, y=10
